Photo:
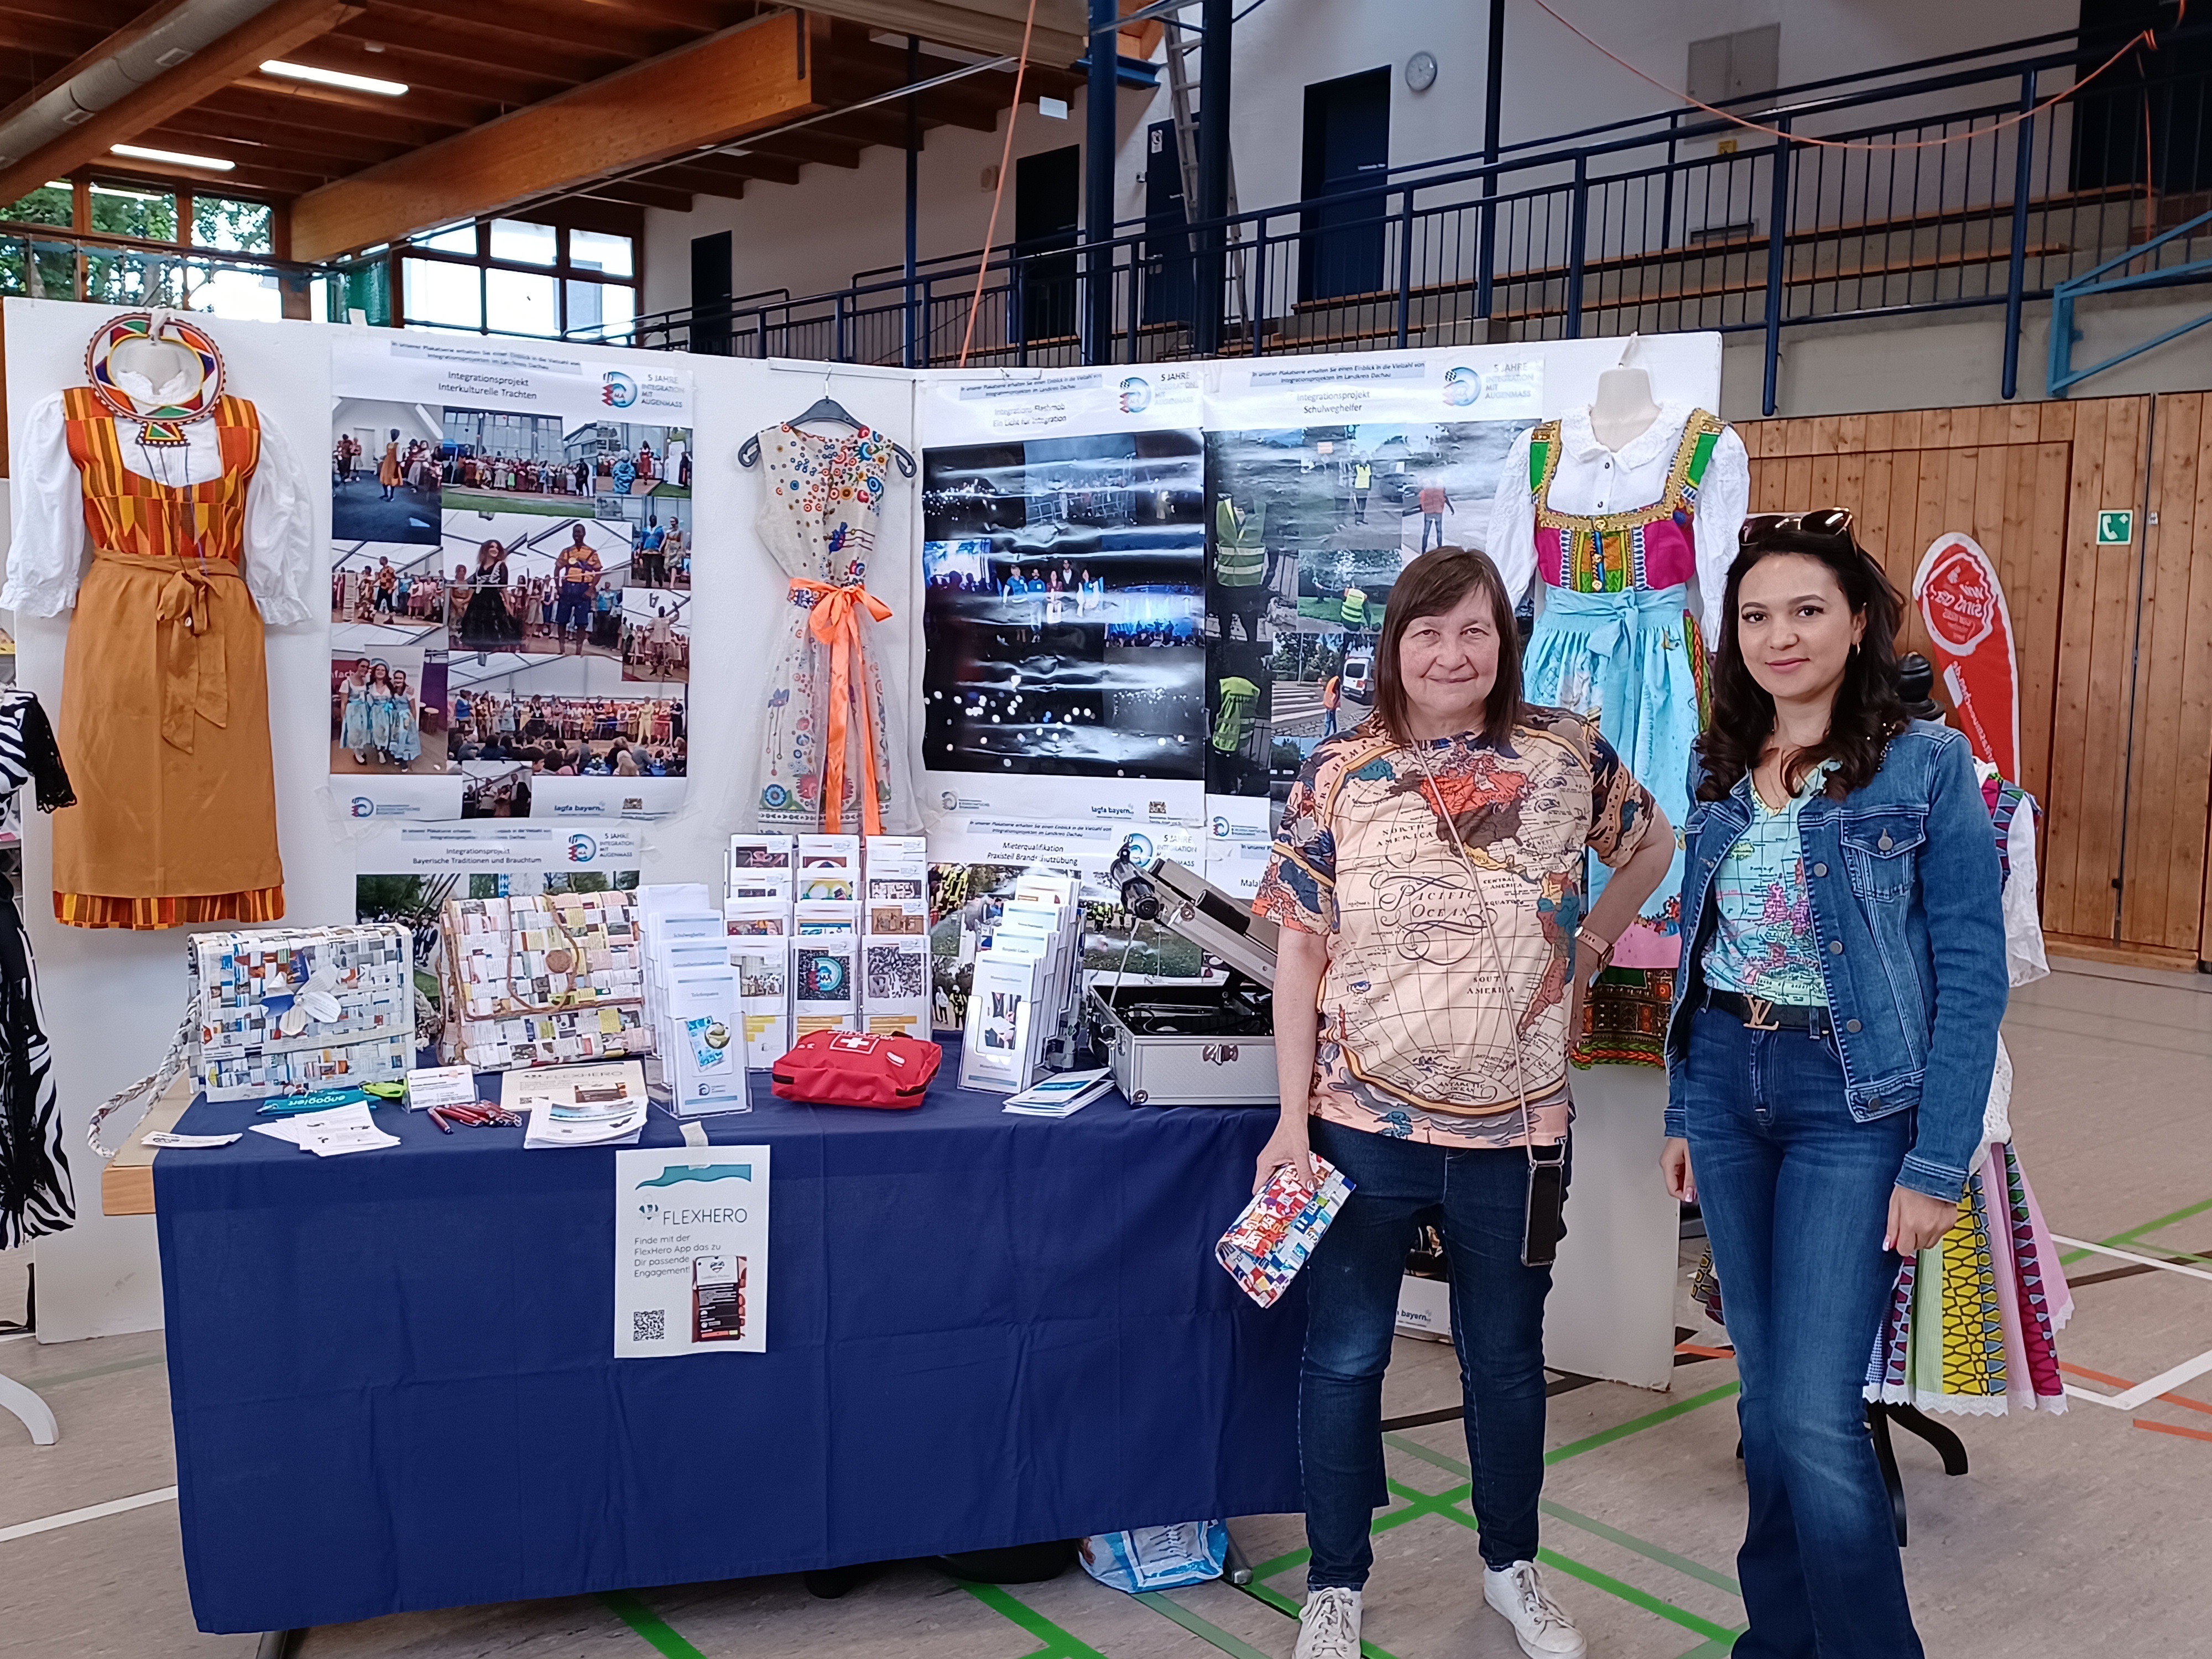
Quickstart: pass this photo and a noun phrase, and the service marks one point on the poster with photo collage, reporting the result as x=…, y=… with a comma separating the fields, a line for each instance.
x=511, y=571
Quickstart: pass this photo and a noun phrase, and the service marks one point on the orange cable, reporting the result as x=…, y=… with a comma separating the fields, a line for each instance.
x=2146, y=38
x=997, y=195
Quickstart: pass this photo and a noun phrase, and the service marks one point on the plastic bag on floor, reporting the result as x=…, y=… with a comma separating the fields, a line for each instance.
x=1157, y=1557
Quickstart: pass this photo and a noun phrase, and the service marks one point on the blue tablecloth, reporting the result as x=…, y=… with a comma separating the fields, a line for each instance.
x=393, y=1383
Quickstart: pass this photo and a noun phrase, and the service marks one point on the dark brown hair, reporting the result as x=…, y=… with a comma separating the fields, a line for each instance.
x=1429, y=586
x=1868, y=712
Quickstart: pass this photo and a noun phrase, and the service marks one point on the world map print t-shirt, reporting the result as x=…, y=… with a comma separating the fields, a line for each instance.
x=1434, y=984
x=1762, y=944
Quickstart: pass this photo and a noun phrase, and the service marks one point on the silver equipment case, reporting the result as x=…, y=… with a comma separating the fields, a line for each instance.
x=1194, y=1045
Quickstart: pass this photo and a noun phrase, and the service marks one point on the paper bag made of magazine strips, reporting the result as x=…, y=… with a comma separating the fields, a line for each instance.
x=288, y=1008
x=547, y=979
x=1279, y=1230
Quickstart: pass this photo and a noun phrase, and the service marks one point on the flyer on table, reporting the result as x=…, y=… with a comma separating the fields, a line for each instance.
x=511, y=581
x=691, y=1251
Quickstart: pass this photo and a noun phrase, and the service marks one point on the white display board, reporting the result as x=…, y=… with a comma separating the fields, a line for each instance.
x=111, y=998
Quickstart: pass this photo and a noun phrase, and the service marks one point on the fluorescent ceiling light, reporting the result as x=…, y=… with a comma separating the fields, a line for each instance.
x=128, y=195
x=175, y=158
x=335, y=78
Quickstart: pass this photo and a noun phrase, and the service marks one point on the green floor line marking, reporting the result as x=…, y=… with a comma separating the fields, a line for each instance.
x=1637, y=1425
x=1058, y=1644
x=1629, y=1541
x=1212, y=1634
x=1596, y=1527
x=633, y=1612
x=1635, y=1597
x=1612, y=1586
x=1666, y=1558
x=2135, y=1233
x=1282, y=1564
x=96, y=1371
x=1282, y=1603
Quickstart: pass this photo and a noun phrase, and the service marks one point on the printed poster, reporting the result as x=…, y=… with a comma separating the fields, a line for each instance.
x=691, y=1251
x=512, y=541
x=1063, y=685
x=1325, y=476
x=404, y=873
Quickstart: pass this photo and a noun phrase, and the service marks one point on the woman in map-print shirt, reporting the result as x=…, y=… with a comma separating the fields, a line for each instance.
x=1428, y=879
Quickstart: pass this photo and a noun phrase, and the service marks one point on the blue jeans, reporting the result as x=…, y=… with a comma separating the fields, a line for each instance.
x=1795, y=1194
x=1478, y=1201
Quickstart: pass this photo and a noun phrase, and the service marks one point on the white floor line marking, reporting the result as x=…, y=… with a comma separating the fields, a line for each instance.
x=2143, y=1393
x=97, y=1511
x=2093, y=1396
x=2128, y=1255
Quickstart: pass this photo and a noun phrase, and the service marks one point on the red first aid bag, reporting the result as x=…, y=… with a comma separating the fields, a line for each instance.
x=845, y=1068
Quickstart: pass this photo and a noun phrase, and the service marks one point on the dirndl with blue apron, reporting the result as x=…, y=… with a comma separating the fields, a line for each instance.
x=1616, y=640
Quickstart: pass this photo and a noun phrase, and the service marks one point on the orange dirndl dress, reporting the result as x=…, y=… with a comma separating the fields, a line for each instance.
x=165, y=695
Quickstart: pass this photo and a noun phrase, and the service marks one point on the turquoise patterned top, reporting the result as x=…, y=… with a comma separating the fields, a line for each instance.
x=1763, y=944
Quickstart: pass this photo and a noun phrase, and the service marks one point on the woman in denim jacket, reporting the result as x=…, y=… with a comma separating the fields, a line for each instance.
x=1829, y=1051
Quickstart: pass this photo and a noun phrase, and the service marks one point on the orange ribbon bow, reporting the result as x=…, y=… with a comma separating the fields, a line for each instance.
x=836, y=623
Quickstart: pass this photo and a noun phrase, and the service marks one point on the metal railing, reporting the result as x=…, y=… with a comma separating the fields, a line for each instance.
x=54, y=262
x=1949, y=184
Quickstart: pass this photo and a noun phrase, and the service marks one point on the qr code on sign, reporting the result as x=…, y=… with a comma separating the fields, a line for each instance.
x=649, y=1325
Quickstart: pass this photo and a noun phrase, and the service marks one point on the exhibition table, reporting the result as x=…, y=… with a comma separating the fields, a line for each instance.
x=393, y=1384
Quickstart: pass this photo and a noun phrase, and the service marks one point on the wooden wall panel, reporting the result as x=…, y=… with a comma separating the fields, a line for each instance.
x=2127, y=805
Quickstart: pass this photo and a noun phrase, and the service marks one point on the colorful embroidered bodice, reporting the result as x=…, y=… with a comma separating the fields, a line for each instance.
x=1647, y=547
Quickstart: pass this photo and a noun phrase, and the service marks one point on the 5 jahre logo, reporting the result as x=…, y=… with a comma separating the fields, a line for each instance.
x=1136, y=395
x=582, y=850
x=618, y=390
x=1462, y=386
x=362, y=807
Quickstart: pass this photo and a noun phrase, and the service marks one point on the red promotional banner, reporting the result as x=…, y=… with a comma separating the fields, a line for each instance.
x=1963, y=606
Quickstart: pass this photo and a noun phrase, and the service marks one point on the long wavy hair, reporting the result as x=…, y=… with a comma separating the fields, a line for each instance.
x=1868, y=712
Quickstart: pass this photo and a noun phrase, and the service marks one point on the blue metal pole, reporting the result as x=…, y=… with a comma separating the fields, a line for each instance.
x=1778, y=238
x=1098, y=181
x=2016, y=278
x=1492, y=114
x=913, y=185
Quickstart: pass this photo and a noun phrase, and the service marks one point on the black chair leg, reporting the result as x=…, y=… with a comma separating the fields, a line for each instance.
x=1949, y=1446
x=1885, y=1454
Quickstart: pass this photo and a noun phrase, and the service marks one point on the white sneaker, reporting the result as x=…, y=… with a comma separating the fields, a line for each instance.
x=1328, y=1628
x=1542, y=1625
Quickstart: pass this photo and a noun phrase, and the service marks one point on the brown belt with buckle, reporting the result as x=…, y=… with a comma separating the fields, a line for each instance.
x=1757, y=1014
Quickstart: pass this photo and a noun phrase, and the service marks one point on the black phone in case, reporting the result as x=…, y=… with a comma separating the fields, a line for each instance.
x=1545, y=1221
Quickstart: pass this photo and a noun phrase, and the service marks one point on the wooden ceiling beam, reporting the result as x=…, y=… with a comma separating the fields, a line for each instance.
x=580, y=24
x=763, y=169
x=641, y=195
x=700, y=181
x=808, y=144
x=333, y=154
x=992, y=26
x=255, y=178
x=404, y=34
x=720, y=90
x=263, y=101
x=284, y=27
x=106, y=15
x=454, y=111
x=507, y=84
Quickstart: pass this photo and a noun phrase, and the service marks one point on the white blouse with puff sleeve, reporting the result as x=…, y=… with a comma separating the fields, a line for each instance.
x=1591, y=480
x=284, y=569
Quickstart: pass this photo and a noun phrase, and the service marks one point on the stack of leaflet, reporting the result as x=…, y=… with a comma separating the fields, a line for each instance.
x=895, y=945
x=758, y=891
x=1062, y=1094
x=602, y=1105
x=332, y=1133
x=1024, y=983
x=544, y=979
x=288, y=1008
x=825, y=943
x=691, y=1000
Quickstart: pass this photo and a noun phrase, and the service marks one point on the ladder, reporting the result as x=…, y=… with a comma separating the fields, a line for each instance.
x=1180, y=43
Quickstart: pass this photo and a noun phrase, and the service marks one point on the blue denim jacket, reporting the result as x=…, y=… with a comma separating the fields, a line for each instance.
x=1905, y=883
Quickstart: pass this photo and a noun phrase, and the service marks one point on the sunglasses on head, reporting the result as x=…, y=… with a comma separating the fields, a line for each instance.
x=1828, y=521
